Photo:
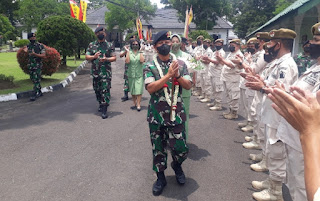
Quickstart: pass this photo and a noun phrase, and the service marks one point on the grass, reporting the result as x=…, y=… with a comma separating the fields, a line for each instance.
x=9, y=66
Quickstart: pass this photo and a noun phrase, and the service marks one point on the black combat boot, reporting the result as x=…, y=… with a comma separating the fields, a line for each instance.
x=180, y=177
x=125, y=97
x=33, y=96
x=100, y=108
x=159, y=185
x=39, y=94
x=104, y=110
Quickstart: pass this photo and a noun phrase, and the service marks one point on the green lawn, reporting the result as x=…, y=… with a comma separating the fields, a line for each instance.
x=9, y=66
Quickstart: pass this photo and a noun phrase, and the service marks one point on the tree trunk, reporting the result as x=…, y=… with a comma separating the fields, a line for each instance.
x=64, y=60
x=78, y=53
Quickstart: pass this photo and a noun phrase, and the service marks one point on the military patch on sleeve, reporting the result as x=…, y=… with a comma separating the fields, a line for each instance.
x=282, y=74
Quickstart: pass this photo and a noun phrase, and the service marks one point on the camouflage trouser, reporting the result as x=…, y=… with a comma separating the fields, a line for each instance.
x=35, y=76
x=101, y=87
x=173, y=137
x=126, y=81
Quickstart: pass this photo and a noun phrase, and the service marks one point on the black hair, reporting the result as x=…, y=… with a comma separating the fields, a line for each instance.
x=134, y=40
x=287, y=43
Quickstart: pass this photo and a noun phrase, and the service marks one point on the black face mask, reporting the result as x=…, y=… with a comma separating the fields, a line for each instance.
x=257, y=45
x=272, y=52
x=314, y=51
x=251, y=50
x=164, y=49
x=267, y=58
x=32, y=41
x=101, y=36
x=306, y=49
x=205, y=47
x=193, y=47
x=198, y=42
x=232, y=48
x=218, y=47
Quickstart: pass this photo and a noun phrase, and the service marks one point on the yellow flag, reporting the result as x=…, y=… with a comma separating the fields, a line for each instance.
x=83, y=6
x=74, y=9
x=190, y=16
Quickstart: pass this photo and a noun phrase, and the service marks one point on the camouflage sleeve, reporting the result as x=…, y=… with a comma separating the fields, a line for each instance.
x=148, y=75
x=42, y=49
x=89, y=50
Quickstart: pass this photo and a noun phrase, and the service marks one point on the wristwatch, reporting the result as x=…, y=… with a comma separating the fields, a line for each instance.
x=178, y=77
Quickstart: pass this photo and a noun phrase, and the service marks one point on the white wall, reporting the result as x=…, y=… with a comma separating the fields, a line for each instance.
x=25, y=34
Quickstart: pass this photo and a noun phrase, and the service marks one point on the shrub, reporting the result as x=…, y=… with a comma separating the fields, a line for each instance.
x=6, y=78
x=21, y=43
x=196, y=33
x=50, y=63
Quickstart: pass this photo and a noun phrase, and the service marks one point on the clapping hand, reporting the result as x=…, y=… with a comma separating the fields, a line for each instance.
x=174, y=69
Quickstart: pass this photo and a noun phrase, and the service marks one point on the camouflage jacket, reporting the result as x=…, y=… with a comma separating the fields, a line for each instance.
x=303, y=62
x=35, y=62
x=159, y=109
x=107, y=50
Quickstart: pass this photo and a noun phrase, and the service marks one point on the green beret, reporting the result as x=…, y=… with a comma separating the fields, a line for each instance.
x=219, y=41
x=207, y=40
x=315, y=30
x=282, y=34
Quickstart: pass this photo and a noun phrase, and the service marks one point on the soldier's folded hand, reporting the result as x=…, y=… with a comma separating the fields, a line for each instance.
x=103, y=59
x=96, y=55
x=173, y=69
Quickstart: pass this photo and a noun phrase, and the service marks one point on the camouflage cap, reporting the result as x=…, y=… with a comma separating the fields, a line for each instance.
x=282, y=34
x=236, y=41
x=315, y=30
x=219, y=41
x=207, y=40
x=263, y=35
x=200, y=37
x=253, y=40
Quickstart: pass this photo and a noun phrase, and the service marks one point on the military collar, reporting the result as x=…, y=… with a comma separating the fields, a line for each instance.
x=97, y=42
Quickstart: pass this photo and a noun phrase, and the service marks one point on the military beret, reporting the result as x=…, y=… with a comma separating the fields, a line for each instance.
x=282, y=34
x=263, y=35
x=315, y=30
x=252, y=40
x=236, y=41
x=219, y=41
x=200, y=37
x=207, y=40
x=184, y=40
x=161, y=35
x=30, y=35
x=176, y=35
x=98, y=29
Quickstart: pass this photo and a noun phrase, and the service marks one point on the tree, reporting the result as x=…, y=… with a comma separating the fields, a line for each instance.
x=6, y=29
x=31, y=12
x=281, y=5
x=250, y=15
x=8, y=7
x=124, y=14
x=205, y=12
x=66, y=34
x=196, y=33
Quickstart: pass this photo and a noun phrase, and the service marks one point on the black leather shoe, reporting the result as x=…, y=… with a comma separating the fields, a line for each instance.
x=100, y=108
x=104, y=111
x=159, y=185
x=125, y=97
x=39, y=94
x=180, y=177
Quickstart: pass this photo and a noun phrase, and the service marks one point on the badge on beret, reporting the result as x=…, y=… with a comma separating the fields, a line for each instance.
x=258, y=35
x=319, y=28
x=168, y=34
x=272, y=34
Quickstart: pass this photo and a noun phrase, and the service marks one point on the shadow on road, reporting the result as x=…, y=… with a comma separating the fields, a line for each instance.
x=175, y=191
x=196, y=153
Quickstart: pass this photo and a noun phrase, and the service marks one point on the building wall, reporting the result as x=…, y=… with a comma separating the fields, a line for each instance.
x=25, y=34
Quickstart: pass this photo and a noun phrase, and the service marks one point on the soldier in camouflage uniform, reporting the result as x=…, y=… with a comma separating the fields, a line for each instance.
x=303, y=59
x=101, y=54
x=36, y=53
x=125, y=77
x=166, y=120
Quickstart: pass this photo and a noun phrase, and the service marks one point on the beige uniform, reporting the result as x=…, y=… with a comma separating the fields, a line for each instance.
x=215, y=77
x=198, y=52
x=231, y=80
x=309, y=81
x=284, y=71
x=205, y=78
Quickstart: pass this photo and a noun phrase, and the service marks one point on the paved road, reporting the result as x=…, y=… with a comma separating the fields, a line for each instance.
x=59, y=148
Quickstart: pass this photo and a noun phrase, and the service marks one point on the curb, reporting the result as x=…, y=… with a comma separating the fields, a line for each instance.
x=62, y=84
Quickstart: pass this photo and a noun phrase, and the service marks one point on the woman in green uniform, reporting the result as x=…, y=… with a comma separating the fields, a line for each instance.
x=134, y=60
x=186, y=94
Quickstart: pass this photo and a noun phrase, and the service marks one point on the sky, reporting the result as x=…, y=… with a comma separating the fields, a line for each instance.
x=160, y=5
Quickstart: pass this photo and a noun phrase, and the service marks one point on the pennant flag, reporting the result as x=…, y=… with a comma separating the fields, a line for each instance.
x=190, y=15
x=139, y=28
x=149, y=33
x=74, y=9
x=83, y=10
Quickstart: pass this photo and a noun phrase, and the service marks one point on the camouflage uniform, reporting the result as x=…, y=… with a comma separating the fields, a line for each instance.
x=101, y=71
x=35, y=65
x=164, y=132
x=303, y=62
x=125, y=77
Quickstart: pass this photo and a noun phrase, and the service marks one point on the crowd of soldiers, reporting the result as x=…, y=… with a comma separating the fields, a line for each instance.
x=246, y=75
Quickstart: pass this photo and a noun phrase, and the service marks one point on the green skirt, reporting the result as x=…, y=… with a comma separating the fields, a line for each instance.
x=136, y=85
